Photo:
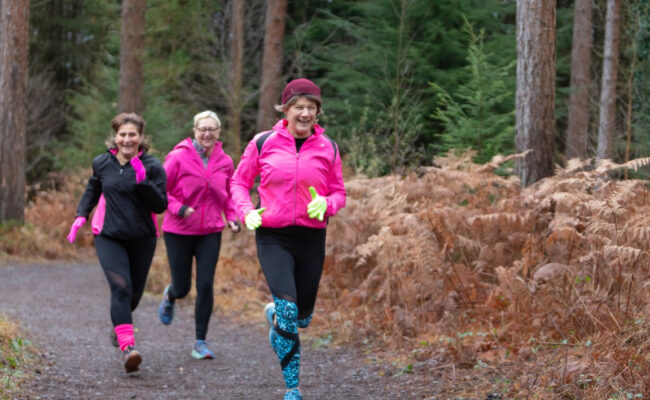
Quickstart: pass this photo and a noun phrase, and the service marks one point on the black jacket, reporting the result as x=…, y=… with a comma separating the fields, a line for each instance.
x=128, y=205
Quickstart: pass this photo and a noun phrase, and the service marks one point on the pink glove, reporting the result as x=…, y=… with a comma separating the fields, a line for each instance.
x=140, y=172
x=78, y=223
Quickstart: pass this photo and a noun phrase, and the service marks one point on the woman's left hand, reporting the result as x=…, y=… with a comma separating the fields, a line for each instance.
x=140, y=172
x=317, y=206
x=234, y=226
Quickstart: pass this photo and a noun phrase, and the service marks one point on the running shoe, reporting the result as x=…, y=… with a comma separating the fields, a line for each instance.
x=202, y=351
x=166, y=308
x=269, y=313
x=132, y=359
x=293, y=394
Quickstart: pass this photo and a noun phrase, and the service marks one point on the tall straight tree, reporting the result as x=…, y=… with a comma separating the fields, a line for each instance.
x=236, y=70
x=578, y=124
x=276, y=14
x=606, y=122
x=14, y=65
x=535, y=96
x=131, y=55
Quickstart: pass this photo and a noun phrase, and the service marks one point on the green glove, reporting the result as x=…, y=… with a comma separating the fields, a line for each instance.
x=317, y=206
x=254, y=218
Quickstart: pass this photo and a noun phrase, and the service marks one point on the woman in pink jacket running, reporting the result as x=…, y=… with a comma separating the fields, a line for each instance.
x=198, y=177
x=301, y=185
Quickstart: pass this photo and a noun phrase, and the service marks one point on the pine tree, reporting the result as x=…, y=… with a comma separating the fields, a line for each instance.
x=535, y=99
x=480, y=114
x=375, y=60
x=14, y=58
x=606, y=126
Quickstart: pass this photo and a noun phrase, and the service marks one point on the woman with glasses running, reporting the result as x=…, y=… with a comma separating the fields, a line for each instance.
x=198, y=179
x=128, y=187
x=301, y=185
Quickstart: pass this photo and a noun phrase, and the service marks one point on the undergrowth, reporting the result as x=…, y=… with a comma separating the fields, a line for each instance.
x=454, y=268
x=16, y=355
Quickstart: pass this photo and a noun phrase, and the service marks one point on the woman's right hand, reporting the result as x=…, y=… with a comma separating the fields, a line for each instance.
x=78, y=223
x=188, y=211
x=253, y=219
x=234, y=226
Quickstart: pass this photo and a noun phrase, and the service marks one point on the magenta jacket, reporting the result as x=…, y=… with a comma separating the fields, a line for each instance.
x=206, y=190
x=285, y=178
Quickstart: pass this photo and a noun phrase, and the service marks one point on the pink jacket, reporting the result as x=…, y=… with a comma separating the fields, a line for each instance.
x=206, y=190
x=285, y=178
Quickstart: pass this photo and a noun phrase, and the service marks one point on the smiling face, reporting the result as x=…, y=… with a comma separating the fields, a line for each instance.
x=301, y=116
x=128, y=139
x=206, y=132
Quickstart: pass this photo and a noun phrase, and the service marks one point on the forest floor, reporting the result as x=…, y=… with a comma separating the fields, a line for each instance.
x=64, y=311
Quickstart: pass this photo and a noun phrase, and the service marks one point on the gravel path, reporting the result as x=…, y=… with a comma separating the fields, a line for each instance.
x=64, y=310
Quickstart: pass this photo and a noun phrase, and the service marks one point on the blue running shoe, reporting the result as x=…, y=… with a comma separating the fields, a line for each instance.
x=202, y=351
x=293, y=394
x=166, y=308
x=269, y=313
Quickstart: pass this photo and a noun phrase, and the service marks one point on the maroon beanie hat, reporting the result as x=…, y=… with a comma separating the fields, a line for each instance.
x=299, y=86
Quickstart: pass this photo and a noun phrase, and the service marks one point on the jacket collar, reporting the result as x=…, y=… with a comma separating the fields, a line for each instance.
x=187, y=145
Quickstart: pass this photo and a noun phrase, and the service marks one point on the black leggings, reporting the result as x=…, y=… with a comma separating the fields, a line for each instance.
x=180, y=250
x=126, y=265
x=292, y=261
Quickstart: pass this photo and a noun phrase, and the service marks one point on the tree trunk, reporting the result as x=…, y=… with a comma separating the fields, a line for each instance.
x=578, y=125
x=237, y=60
x=14, y=65
x=606, y=124
x=131, y=54
x=535, y=98
x=276, y=14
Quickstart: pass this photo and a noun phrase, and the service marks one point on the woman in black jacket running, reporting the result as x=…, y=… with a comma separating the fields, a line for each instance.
x=129, y=188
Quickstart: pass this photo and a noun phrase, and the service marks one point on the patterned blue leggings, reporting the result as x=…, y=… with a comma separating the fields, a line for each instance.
x=285, y=339
x=292, y=260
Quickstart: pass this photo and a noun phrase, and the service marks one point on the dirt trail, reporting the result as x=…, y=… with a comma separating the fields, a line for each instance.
x=64, y=310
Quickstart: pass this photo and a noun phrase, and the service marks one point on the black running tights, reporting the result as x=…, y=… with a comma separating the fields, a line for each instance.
x=180, y=250
x=126, y=265
x=292, y=261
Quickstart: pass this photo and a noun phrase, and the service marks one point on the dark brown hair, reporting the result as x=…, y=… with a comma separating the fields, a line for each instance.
x=127, y=118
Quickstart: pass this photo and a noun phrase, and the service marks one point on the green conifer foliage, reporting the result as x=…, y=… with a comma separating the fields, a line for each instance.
x=480, y=114
x=68, y=39
x=374, y=62
x=640, y=17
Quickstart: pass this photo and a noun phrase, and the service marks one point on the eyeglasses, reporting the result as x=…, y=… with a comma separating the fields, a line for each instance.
x=204, y=130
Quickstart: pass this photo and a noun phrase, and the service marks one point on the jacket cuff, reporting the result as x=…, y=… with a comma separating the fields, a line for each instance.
x=242, y=216
x=329, y=206
x=231, y=216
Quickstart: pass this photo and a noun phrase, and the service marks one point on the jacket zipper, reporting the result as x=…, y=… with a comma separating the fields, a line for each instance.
x=295, y=190
x=206, y=178
x=295, y=182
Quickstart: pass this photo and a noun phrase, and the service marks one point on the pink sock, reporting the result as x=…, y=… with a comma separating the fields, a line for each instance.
x=125, y=336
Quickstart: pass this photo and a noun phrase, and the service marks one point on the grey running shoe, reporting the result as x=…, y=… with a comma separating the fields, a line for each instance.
x=269, y=314
x=202, y=351
x=293, y=394
x=166, y=308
